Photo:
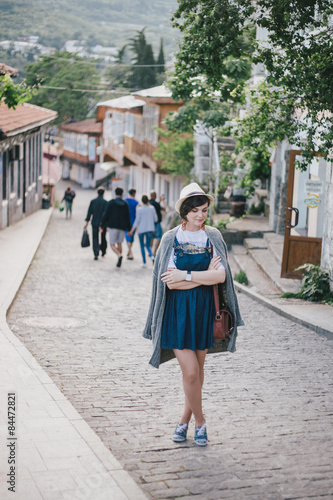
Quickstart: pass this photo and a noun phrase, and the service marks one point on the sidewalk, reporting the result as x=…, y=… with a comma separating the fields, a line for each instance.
x=53, y=452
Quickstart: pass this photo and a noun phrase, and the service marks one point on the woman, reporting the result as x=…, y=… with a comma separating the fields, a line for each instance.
x=69, y=197
x=191, y=258
x=145, y=225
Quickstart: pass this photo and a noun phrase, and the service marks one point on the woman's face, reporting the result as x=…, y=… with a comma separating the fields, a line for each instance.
x=197, y=217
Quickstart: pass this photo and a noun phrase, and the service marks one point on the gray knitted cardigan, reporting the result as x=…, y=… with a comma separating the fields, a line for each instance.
x=153, y=328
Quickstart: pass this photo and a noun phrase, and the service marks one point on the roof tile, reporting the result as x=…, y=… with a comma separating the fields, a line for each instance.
x=25, y=115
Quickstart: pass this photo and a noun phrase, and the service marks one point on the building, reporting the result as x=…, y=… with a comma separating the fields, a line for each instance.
x=130, y=137
x=51, y=167
x=80, y=157
x=21, y=140
x=300, y=202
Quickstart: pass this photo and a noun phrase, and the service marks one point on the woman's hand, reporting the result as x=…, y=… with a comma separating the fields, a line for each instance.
x=214, y=263
x=173, y=276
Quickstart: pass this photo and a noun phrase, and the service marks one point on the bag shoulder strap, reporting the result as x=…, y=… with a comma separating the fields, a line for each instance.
x=215, y=289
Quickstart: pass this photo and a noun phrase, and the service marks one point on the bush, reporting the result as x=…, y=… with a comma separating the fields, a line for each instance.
x=315, y=282
x=222, y=224
x=241, y=278
x=315, y=285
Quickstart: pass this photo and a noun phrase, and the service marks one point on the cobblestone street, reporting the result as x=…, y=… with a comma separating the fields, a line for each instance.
x=269, y=406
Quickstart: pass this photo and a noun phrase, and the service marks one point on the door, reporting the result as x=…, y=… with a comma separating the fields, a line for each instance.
x=304, y=216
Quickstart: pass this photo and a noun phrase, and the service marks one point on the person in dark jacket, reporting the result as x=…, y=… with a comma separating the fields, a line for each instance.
x=118, y=219
x=69, y=197
x=96, y=210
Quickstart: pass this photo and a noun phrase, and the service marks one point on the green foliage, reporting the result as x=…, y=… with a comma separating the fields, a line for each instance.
x=222, y=223
x=145, y=76
x=215, y=48
x=160, y=59
x=69, y=72
x=298, y=102
x=241, y=277
x=13, y=94
x=257, y=209
x=315, y=283
x=211, y=113
x=175, y=153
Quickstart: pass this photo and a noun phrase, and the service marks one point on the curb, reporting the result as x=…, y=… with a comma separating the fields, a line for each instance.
x=268, y=303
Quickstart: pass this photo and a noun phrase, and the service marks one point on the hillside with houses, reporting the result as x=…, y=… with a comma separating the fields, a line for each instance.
x=106, y=22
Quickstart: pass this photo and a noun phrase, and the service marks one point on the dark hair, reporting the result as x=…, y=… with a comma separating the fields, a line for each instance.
x=144, y=199
x=119, y=191
x=132, y=192
x=153, y=195
x=101, y=191
x=192, y=202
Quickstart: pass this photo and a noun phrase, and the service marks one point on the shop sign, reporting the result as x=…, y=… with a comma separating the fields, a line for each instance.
x=312, y=200
x=312, y=186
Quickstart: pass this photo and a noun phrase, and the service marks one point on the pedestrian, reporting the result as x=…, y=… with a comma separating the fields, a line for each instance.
x=132, y=203
x=159, y=207
x=144, y=223
x=96, y=210
x=69, y=197
x=191, y=258
x=117, y=218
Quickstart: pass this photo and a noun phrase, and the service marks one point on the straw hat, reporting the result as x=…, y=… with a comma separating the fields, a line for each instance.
x=192, y=189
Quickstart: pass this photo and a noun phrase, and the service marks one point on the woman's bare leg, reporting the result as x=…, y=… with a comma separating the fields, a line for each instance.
x=191, y=364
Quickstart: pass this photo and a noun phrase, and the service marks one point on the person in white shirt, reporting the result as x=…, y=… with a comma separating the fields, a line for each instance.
x=144, y=224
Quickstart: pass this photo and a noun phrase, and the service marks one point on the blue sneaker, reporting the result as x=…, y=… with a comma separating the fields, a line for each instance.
x=180, y=433
x=200, y=436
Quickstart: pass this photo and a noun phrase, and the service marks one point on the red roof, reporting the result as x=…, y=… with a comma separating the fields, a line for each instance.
x=4, y=69
x=85, y=127
x=24, y=117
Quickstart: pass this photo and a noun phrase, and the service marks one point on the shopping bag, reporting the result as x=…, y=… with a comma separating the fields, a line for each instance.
x=85, y=241
x=61, y=207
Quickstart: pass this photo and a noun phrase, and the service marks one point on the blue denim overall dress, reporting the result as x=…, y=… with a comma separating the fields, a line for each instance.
x=189, y=314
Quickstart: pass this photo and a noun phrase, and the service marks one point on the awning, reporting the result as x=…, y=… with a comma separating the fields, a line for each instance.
x=109, y=166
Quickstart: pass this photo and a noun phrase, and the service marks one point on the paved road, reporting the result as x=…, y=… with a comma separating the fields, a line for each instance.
x=269, y=406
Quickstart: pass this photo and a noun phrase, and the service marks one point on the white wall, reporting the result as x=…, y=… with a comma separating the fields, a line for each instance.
x=327, y=247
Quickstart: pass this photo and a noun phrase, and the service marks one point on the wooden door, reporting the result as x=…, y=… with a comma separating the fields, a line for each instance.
x=301, y=242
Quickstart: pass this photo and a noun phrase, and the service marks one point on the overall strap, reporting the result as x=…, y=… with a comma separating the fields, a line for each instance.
x=216, y=294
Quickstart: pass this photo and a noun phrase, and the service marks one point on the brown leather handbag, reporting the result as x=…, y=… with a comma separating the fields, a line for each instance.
x=224, y=320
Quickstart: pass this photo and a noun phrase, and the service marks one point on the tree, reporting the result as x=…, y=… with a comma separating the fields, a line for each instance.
x=298, y=56
x=65, y=81
x=216, y=45
x=175, y=153
x=160, y=60
x=13, y=94
x=144, y=75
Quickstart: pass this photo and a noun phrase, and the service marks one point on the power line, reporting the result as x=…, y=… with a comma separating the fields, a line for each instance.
x=96, y=91
x=73, y=60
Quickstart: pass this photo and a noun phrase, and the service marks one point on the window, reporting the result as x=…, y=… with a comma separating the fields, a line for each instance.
x=70, y=141
x=118, y=127
x=92, y=149
x=19, y=164
x=30, y=162
x=39, y=154
x=3, y=165
x=151, y=116
x=129, y=124
x=12, y=183
x=138, y=128
x=82, y=144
